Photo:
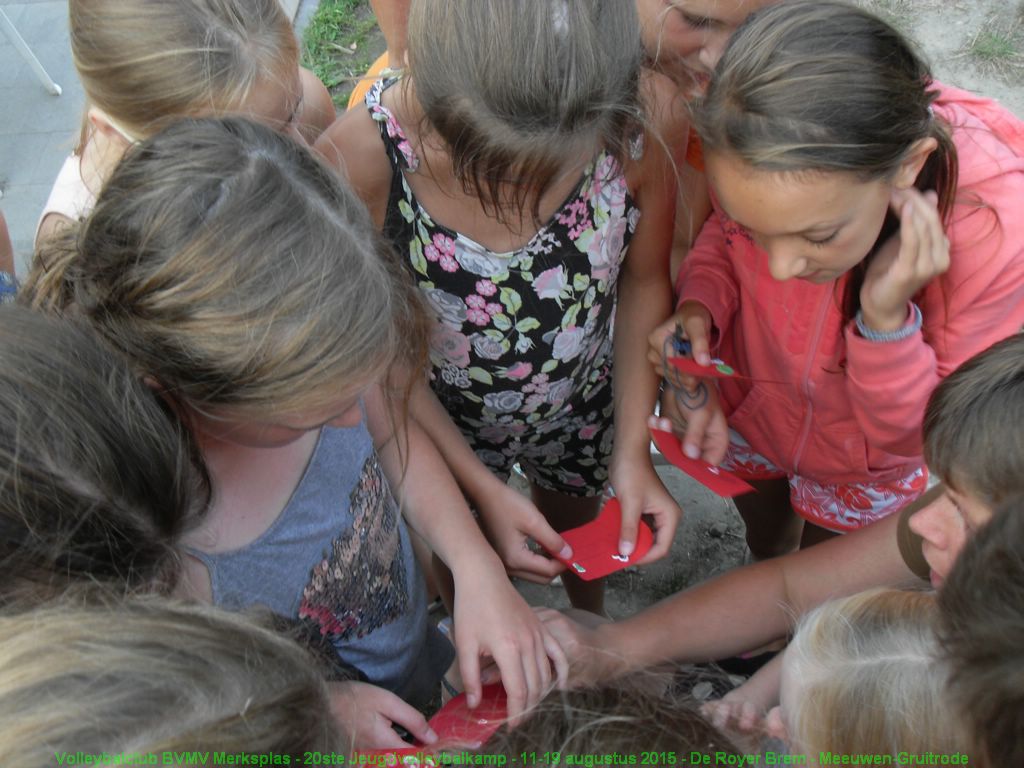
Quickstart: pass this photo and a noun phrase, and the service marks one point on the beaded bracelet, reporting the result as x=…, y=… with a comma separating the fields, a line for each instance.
x=909, y=328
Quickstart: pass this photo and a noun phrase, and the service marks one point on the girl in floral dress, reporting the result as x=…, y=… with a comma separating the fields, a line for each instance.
x=510, y=166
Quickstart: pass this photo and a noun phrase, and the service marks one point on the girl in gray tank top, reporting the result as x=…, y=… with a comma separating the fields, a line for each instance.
x=245, y=283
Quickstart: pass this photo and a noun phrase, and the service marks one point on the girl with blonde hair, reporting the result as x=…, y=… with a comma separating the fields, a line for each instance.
x=866, y=675
x=144, y=63
x=245, y=283
x=91, y=675
x=510, y=168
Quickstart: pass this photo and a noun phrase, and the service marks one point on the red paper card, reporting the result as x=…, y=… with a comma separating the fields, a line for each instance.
x=718, y=480
x=717, y=370
x=456, y=723
x=595, y=546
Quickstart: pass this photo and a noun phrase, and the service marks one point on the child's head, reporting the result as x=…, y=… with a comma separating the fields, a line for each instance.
x=973, y=443
x=97, y=481
x=692, y=32
x=621, y=718
x=94, y=675
x=817, y=113
x=145, y=63
x=982, y=629
x=520, y=92
x=865, y=674
x=241, y=277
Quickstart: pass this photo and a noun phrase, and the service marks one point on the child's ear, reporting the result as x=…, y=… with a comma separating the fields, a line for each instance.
x=775, y=725
x=102, y=124
x=911, y=165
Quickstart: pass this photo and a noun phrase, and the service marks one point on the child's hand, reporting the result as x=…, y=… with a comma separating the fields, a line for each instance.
x=582, y=643
x=704, y=430
x=905, y=263
x=640, y=492
x=510, y=520
x=368, y=712
x=493, y=621
x=734, y=712
x=745, y=707
x=695, y=321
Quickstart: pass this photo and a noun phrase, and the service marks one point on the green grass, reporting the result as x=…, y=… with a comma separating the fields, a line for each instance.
x=340, y=43
x=996, y=47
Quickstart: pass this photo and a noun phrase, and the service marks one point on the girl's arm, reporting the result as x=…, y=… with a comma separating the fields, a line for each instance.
x=739, y=610
x=644, y=300
x=491, y=619
x=978, y=301
x=509, y=518
x=353, y=146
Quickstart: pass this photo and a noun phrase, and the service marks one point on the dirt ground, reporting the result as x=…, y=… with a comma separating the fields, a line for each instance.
x=974, y=44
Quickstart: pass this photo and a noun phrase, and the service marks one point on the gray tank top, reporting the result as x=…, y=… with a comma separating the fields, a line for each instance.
x=339, y=557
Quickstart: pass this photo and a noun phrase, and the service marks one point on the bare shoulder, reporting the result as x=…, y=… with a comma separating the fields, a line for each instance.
x=353, y=147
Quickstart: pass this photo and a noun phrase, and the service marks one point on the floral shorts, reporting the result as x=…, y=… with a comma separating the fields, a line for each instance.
x=839, y=508
x=568, y=453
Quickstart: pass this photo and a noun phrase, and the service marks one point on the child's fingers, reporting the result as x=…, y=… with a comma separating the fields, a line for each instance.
x=628, y=529
x=697, y=331
x=696, y=428
x=469, y=668
x=541, y=531
x=515, y=680
x=397, y=711
x=534, y=568
x=749, y=717
x=558, y=658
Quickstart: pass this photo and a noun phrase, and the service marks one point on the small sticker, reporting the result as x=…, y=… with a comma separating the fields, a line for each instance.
x=621, y=558
x=726, y=369
x=579, y=568
x=713, y=470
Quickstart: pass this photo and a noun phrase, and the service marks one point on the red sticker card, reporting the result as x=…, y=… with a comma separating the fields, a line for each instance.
x=456, y=723
x=717, y=370
x=595, y=546
x=718, y=480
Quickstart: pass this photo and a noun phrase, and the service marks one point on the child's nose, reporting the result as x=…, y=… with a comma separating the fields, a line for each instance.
x=938, y=523
x=784, y=262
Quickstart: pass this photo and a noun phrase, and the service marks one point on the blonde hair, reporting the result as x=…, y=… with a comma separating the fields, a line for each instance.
x=97, y=481
x=93, y=674
x=237, y=271
x=869, y=677
x=513, y=89
x=146, y=62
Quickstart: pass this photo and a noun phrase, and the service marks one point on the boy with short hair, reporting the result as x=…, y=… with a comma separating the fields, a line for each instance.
x=982, y=614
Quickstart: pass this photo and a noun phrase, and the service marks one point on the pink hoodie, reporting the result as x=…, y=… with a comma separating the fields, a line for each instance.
x=831, y=405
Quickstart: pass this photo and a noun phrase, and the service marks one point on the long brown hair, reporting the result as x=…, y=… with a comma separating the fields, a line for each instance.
x=237, y=271
x=513, y=89
x=826, y=86
x=97, y=481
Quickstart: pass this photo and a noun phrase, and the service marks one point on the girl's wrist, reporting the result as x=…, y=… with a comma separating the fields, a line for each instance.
x=883, y=321
x=891, y=328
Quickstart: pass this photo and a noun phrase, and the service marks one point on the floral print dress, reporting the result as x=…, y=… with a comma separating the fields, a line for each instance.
x=521, y=351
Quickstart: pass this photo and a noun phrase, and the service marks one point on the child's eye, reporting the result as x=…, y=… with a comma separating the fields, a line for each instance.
x=697, y=22
x=822, y=241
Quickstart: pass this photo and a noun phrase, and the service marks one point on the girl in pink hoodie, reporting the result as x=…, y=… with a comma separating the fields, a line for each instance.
x=865, y=241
